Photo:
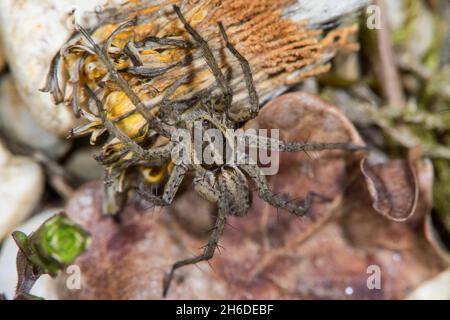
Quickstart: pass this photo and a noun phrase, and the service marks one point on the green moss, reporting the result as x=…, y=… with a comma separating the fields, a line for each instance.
x=442, y=187
x=403, y=34
x=432, y=58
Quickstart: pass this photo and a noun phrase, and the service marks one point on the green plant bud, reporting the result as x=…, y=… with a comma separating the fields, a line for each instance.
x=55, y=244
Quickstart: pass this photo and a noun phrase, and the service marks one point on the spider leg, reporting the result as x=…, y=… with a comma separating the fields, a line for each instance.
x=209, y=58
x=174, y=108
x=103, y=56
x=149, y=72
x=279, y=145
x=167, y=42
x=165, y=104
x=170, y=189
x=317, y=146
x=268, y=196
x=150, y=155
x=248, y=77
x=208, y=251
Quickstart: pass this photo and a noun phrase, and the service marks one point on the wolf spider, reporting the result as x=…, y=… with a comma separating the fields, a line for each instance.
x=224, y=184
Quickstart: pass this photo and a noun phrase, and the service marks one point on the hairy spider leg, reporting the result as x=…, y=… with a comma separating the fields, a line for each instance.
x=256, y=141
x=208, y=251
x=165, y=105
x=170, y=189
x=209, y=58
x=248, y=77
x=262, y=187
x=168, y=42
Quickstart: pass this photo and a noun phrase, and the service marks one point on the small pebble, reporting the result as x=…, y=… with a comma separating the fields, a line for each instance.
x=437, y=288
x=21, y=187
x=83, y=166
x=33, y=32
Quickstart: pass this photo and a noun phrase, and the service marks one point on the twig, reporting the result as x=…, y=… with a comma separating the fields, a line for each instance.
x=388, y=76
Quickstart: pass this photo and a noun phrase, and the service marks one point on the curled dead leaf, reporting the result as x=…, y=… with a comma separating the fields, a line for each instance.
x=393, y=187
x=426, y=218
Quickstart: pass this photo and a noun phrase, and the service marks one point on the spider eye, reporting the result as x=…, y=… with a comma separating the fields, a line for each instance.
x=205, y=122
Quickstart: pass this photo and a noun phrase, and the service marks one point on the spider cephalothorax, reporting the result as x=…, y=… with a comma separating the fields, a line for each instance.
x=223, y=182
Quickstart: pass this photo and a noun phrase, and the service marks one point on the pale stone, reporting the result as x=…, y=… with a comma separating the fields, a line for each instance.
x=33, y=32
x=322, y=11
x=21, y=187
x=437, y=288
x=45, y=287
x=19, y=126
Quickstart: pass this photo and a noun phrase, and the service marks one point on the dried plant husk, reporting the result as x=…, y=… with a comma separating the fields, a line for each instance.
x=282, y=51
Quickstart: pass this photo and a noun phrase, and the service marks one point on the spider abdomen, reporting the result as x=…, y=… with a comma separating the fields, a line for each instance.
x=235, y=197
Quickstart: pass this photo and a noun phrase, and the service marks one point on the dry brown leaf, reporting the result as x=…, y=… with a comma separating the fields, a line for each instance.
x=127, y=260
x=267, y=254
x=305, y=117
x=124, y=268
